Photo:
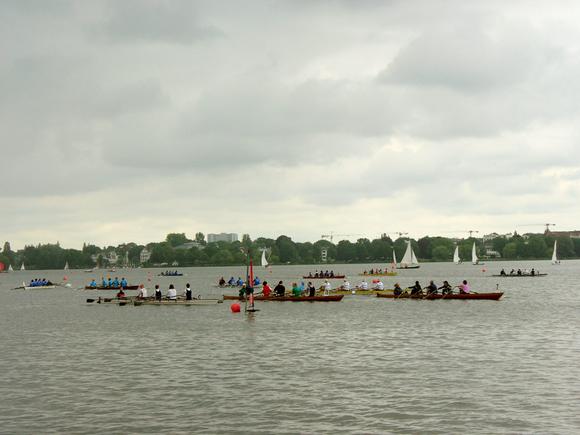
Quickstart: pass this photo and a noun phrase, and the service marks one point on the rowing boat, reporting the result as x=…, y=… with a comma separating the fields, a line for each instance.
x=179, y=302
x=379, y=274
x=38, y=287
x=324, y=277
x=318, y=298
x=170, y=274
x=523, y=275
x=482, y=296
x=127, y=287
x=368, y=292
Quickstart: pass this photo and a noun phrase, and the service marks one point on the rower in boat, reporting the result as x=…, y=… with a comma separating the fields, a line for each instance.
x=266, y=290
x=397, y=290
x=345, y=285
x=464, y=288
x=416, y=289
x=519, y=272
x=256, y=281
x=124, y=282
x=240, y=281
x=533, y=272
x=232, y=281
x=109, y=282
x=171, y=293
x=502, y=273
x=512, y=272
x=93, y=284
x=188, y=294
x=142, y=292
x=116, y=282
x=378, y=285
x=311, y=289
x=242, y=291
x=222, y=282
x=331, y=274
x=121, y=294
x=327, y=287
x=363, y=285
x=103, y=281
x=296, y=292
x=158, y=294
x=431, y=288
x=446, y=288
x=280, y=290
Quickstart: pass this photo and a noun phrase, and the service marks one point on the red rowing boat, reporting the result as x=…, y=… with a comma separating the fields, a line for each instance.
x=479, y=296
x=320, y=298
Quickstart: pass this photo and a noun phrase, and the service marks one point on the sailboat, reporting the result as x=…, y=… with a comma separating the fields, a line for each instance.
x=394, y=259
x=66, y=266
x=409, y=260
x=10, y=269
x=22, y=267
x=474, y=259
x=456, y=258
x=264, y=261
x=555, y=253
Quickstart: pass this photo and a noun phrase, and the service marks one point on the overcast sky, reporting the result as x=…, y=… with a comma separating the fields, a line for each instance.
x=126, y=120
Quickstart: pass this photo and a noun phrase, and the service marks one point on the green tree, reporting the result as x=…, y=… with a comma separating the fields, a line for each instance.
x=441, y=253
x=176, y=239
x=200, y=238
x=346, y=251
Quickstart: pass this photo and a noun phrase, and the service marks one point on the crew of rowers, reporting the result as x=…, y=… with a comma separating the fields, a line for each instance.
x=171, y=273
x=298, y=290
x=39, y=282
x=376, y=271
x=110, y=283
x=432, y=289
x=158, y=295
x=519, y=272
x=322, y=274
x=237, y=283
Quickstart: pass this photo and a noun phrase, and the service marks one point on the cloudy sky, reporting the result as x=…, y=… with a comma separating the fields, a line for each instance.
x=125, y=120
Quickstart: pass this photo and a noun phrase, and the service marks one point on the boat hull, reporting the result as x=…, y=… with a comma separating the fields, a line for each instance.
x=129, y=287
x=40, y=287
x=318, y=298
x=521, y=276
x=465, y=296
x=179, y=302
x=408, y=267
x=325, y=277
x=378, y=274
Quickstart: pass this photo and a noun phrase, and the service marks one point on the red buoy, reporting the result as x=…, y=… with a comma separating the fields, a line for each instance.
x=235, y=307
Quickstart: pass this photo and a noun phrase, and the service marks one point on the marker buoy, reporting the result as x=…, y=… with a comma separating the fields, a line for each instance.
x=235, y=307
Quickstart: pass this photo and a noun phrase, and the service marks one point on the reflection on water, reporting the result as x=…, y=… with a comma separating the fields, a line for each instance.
x=364, y=365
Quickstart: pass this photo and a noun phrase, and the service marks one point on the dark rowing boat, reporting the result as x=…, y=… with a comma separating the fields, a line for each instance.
x=471, y=296
x=128, y=287
x=320, y=298
x=170, y=274
x=523, y=275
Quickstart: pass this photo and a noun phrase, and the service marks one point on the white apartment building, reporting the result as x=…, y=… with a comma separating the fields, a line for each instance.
x=222, y=237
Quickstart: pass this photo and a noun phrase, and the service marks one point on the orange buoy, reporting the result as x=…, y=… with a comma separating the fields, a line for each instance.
x=235, y=307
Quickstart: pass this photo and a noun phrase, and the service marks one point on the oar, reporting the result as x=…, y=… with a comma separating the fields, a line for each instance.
x=90, y=301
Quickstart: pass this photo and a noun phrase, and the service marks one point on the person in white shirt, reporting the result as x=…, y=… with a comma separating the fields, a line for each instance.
x=363, y=285
x=379, y=285
x=346, y=285
x=142, y=292
x=327, y=287
x=171, y=293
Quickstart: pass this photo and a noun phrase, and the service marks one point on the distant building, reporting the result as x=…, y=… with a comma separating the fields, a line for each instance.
x=112, y=257
x=144, y=256
x=222, y=237
x=190, y=245
x=491, y=253
x=572, y=234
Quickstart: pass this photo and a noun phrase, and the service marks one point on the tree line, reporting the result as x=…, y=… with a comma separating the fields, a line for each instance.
x=174, y=251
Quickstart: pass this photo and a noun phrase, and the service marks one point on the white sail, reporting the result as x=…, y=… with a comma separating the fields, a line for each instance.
x=66, y=266
x=10, y=268
x=474, y=259
x=409, y=259
x=264, y=261
x=394, y=258
x=555, y=253
x=456, y=258
x=22, y=267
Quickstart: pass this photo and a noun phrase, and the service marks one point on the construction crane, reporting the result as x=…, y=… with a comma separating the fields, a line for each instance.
x=534, y=225
x=399, y=233
x=332, y=235
x=463, y=231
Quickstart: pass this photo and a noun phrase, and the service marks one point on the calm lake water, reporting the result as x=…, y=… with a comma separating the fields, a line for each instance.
x=364, y=365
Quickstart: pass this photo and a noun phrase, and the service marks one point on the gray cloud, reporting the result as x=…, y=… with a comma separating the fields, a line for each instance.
x=320, y=114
